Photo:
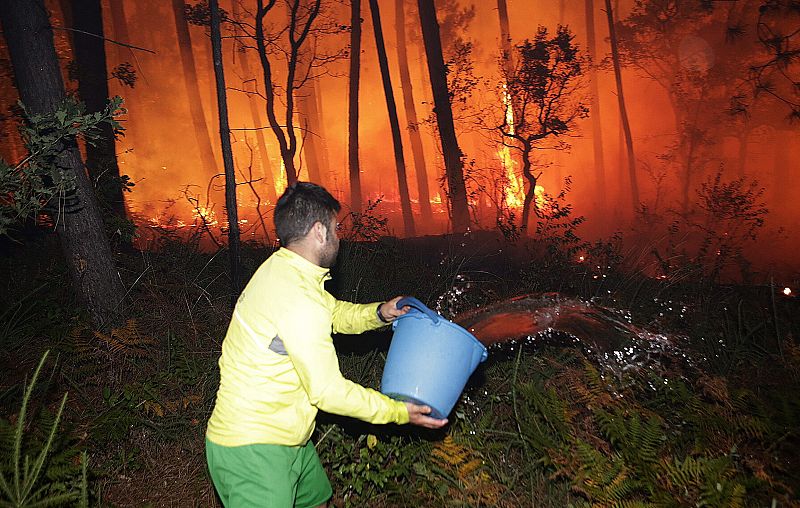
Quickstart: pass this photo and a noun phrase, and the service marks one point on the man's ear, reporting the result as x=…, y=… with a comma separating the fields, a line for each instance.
x=319, y=231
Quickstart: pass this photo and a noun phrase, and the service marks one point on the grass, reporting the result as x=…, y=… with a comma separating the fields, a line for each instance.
x=535, y=428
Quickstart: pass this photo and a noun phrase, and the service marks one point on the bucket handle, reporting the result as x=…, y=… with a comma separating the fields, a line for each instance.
x=412, y=302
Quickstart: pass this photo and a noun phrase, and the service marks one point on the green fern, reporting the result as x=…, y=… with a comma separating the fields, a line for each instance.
x=700, y=482
x=40, y=475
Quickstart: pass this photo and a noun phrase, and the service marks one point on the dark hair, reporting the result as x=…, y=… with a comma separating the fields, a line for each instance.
x=301, y=205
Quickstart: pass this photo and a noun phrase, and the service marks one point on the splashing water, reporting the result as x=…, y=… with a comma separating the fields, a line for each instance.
x=605, y=336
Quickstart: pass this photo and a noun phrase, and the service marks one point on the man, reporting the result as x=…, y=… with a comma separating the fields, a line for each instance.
x=279, y=366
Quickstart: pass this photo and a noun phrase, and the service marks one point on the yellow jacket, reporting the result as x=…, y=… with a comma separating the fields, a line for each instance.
x=278, y=363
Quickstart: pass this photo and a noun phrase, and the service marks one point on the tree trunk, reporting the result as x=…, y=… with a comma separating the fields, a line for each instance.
x=201, y=132
x=394, y=122
x=412, y=124
x=298, y=31
x=309, y=120
x=352, y=110
x=505, y=37
x=119, y=24
x=261, y=142
x=530, y=191
x=27, y=32
x=444, y=116
x=90, y=57
x=623, y=113
x=227, y=153
x=741, y=163
x=594, y=90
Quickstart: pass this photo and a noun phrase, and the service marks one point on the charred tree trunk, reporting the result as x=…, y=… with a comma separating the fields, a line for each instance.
x=352, y=110
x=454, y=167
x=391, y=106
x=412, y=124
x=227, y=154
x=27, y=32
x=90, y=56
x=623, y=113
x=594, y=90
x=201, y=132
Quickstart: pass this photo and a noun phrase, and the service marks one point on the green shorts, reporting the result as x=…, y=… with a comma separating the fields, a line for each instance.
x=268, y=475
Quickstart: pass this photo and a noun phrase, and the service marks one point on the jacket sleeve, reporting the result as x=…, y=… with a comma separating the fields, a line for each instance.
x=354, y=318
x=306, y=336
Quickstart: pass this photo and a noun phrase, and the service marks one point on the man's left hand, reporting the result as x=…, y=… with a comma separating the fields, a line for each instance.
x=389, y=309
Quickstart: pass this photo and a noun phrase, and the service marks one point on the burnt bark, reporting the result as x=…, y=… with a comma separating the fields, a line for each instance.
x=454, y=167
x=27, y=32
x=623, y=112
x=352, y=108
x=190, y=78
x=412, y=123
x=394, y=122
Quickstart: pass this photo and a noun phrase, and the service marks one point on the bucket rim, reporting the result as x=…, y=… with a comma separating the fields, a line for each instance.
x=442, y=322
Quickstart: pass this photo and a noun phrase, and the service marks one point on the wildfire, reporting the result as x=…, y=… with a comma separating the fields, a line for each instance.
x=206, y=215
x=515, y=190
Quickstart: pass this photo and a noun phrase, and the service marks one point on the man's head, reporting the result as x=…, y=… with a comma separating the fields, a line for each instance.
x=306, y=212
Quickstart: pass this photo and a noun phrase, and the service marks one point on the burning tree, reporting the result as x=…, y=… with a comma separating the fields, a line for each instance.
x=543, y=98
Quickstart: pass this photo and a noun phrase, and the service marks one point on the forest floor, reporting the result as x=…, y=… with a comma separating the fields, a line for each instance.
x=714, y=425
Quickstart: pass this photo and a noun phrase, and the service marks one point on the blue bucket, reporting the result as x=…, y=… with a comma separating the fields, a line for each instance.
x=430, y=359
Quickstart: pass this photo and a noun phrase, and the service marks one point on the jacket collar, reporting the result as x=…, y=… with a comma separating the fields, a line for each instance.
x=303, y=265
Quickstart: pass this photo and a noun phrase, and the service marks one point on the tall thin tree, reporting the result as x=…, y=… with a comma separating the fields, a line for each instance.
x=454, y=166
x=301, y=20
x=201, y=132
x=394, y=122
x=354, y=169
x=252, y=103
x=412, y=124
x=594, y=90
x=29, y=37
x=227, y=153
x=623, y=112
x=90, y=57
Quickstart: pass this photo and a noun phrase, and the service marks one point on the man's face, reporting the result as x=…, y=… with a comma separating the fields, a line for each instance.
x=330, y=249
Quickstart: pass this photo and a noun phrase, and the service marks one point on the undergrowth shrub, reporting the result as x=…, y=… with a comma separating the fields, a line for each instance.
x=651, y=440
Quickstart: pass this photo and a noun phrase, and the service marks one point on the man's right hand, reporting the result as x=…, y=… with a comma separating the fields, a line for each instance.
x=418, y=415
